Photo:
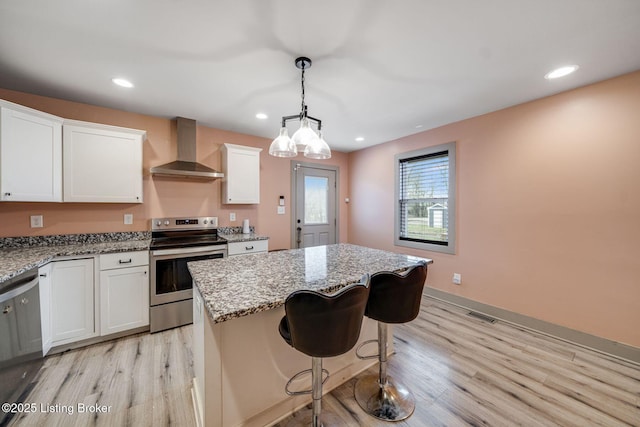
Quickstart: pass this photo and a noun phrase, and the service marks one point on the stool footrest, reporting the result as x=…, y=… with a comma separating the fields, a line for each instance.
x=365, y=357
x=296, y=376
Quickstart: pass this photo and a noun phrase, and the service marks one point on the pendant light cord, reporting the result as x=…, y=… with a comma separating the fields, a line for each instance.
x=303, y=109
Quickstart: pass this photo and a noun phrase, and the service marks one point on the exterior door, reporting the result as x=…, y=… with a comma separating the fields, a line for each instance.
x=315, y=206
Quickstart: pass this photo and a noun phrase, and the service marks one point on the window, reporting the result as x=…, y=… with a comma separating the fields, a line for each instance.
x=425, y=198
x=316, y=200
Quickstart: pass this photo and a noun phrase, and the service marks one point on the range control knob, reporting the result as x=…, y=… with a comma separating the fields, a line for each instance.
x=158, y=223
x=206, y=222
x=167, y=222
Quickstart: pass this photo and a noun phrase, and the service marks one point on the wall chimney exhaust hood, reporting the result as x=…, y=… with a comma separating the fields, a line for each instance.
x=186, y=165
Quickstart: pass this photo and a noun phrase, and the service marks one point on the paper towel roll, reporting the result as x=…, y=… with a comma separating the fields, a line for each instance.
x=245, y=227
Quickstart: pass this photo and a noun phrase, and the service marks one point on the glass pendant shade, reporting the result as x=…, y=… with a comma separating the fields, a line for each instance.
x=318, y=149
x=304, y=139
x=283, y=146
x=305, y=135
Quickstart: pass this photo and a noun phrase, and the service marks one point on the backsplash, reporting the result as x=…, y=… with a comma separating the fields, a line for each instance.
x=72, y=239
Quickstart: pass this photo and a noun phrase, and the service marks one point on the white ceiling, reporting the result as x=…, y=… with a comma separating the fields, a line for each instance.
x=380, y=68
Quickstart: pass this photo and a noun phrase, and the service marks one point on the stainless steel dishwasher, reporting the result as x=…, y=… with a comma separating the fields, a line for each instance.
x=20, y=338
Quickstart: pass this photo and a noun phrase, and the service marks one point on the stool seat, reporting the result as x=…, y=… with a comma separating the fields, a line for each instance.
x=321, y=325
x=393, y=298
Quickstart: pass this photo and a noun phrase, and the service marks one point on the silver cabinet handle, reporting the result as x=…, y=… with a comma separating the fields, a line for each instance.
x=248, y=248
x=125, y=262
x=7, y=309
x=24, y=301
x=7, y=194
x=43, y=275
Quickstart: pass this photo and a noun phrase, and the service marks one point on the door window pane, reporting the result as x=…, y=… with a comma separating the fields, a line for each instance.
x=316, y=200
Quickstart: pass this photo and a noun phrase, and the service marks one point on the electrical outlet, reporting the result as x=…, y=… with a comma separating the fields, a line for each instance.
x=232, y=216
x=280, y=210
x=457, y=278
x=128, y=219
x=36, y=221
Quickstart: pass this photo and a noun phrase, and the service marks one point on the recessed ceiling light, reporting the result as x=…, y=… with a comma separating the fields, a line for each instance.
x=418, y=126
x=122, y=82
x=360, y=138
x=561, y=72
x=261, y=116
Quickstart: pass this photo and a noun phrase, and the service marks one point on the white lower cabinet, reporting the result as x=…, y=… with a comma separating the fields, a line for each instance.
x=72, y=301
x=124, y=291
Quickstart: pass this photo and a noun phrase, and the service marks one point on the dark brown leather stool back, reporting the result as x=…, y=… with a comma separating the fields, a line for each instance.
x=395, y=298
x=321, y=325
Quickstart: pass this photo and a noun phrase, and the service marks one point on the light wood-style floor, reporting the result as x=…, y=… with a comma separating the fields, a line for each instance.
x=462, y=370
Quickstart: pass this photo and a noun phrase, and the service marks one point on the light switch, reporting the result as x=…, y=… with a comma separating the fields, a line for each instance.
x=128, y=219
x=280, y=210
x=232, y=216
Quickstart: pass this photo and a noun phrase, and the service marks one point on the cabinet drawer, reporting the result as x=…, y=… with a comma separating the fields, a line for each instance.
x=123, y=259
x=250, y=247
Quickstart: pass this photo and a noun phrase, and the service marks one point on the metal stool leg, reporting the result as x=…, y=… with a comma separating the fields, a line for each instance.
x=380, y=396
x=314, y=417
x=316, y=393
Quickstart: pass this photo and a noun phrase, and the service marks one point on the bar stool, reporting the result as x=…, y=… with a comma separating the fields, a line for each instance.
x=321, y=325
x=393, y=298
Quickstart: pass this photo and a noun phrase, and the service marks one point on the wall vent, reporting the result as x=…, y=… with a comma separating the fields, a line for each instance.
x=481, y=316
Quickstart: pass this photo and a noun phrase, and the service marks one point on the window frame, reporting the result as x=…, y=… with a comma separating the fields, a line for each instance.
x=450, y=246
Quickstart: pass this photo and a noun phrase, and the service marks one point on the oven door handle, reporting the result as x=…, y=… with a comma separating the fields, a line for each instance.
x=205, y=250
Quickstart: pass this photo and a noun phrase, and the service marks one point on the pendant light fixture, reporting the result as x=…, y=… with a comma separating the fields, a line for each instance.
x=305, y=139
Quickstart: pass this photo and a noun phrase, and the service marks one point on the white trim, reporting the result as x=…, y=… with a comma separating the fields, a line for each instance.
x=450, y=247
x=294, y=185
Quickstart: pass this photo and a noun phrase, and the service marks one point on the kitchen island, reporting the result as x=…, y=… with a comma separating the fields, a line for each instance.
x=241, y=363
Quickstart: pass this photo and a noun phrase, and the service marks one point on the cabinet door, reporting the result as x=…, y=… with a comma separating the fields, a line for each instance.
x=45, y=307
x=102, y=164
x=124, y=299
x=72, y=301
x=242, y=174
x=30, y=156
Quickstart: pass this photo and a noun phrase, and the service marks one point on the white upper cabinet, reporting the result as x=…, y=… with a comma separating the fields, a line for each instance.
x=30, y=155
x=241, y=167
x=102, y=163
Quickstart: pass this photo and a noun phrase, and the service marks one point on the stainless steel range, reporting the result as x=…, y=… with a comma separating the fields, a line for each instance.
x=174, y=242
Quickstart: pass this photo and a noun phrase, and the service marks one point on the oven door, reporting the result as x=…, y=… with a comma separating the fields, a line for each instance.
x=170, y=280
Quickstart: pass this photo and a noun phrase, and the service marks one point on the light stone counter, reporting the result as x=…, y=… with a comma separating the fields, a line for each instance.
x=238, y=286
x=17, y=259
x=241, y=363
x=240, y=237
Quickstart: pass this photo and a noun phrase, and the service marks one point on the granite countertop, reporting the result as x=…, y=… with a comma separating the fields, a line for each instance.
x=20, y=254
x=16, y=260
x=239, y=237
x=239, y=286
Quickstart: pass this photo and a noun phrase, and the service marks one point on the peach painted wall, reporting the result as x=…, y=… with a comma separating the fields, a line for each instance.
x=163, y=196
x=548, y=197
